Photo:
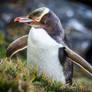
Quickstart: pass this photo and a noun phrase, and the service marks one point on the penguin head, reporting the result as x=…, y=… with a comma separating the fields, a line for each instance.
x=42, y=18
x=34, y=18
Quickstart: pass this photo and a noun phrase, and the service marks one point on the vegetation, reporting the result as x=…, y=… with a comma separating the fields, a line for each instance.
x=16, y=76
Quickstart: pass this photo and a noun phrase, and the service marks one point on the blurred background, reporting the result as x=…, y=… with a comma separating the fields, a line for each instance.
x=75, y=16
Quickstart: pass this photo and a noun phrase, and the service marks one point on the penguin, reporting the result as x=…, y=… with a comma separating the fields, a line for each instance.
x=47, y=46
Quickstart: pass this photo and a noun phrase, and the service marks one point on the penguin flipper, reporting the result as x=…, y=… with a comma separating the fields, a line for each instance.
x=77, y=59
x=17, y=45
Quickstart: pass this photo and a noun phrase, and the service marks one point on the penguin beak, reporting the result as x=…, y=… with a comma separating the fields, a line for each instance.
x=78, y=60
x=31, y=22
x=24, y=20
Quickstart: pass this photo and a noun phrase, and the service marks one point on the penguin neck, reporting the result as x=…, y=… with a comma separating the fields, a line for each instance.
x=56, y=32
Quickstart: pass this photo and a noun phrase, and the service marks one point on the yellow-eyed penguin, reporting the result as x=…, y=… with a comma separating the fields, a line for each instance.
x=47, y=46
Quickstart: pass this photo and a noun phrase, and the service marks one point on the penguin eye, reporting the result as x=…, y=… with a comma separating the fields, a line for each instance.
x=34, y=14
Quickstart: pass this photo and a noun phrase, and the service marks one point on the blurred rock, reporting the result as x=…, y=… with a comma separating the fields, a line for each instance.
x=86, y=2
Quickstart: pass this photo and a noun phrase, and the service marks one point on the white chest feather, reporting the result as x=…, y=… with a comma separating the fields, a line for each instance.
x=43, y=52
